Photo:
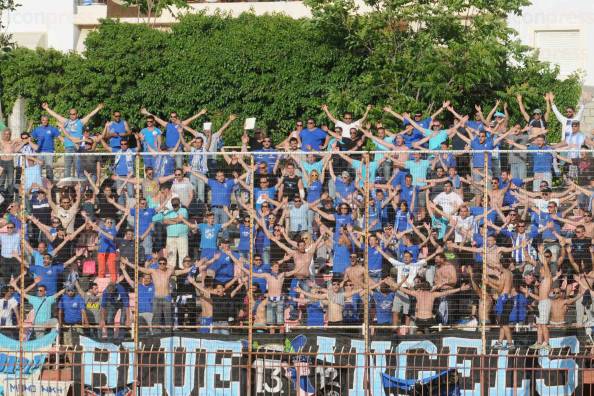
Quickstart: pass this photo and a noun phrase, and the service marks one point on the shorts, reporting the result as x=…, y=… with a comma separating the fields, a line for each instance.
x=401, y=303
x=205, y=321
x=544, y=312
x=503, y=309
x=424, y=325
x=553, y=323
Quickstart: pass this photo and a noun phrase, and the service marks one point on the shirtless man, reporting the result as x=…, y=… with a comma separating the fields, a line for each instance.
x=503, y=306
x=494, y=252
x=544, y=303
x=356, y=274
x=162, y=314
x=206, y=293
x=446, y=278
x=424, y=319
x=485, y=304
x=275, y=308
x=334, y=298
x=7, y=146
x=560, y=304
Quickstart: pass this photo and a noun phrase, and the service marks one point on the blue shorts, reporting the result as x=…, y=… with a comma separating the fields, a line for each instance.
x=205, y=322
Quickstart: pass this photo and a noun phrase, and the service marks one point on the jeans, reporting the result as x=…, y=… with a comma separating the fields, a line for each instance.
x=519, y=170
x=71, y=163
x=129, y=189
x=147, y=244
x=48, y=164
x=162, y=313
x=199, y=188
x=110, y=313
x=7, y=177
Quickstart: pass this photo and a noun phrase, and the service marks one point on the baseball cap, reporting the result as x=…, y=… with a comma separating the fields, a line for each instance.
x=536, y=111
x=499, y=114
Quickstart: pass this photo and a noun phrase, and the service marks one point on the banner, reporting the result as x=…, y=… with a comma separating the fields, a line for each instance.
x=33, y=356
x=16, y=387
x=312, y=364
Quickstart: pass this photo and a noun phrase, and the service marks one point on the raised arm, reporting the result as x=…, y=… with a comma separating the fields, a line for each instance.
x=191, y=119
x=522, y=108
x=51, y=112
x=85, y=120
x=328, y=114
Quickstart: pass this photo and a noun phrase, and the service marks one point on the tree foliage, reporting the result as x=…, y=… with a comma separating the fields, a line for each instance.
x=6, y=6
x=410, y=55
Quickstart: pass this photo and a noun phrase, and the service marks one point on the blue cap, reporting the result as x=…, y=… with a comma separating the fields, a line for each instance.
x=499, y=114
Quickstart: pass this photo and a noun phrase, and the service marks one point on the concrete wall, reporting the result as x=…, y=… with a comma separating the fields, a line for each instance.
x=560, y=15
x=44, y=23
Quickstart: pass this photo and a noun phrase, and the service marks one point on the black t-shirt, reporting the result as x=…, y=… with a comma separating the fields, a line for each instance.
x=106, y=209
x=581, y=248
x=230, y=169
x=328, y=223
x=254, y=144
x=291, y=186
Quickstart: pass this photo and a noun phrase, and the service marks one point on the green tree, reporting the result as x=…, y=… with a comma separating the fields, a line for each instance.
x=6, y=42
x=419, y=53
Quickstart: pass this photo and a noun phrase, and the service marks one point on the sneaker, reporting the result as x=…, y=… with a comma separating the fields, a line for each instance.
x=504, y=347
x=497, y=345
x=545, y=346
x=536, y=345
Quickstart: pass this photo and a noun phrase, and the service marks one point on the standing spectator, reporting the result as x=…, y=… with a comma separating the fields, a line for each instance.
x=72, y=315
x=92, y=300
x=115, y=130
x=123, y=166
x=162, y=312
x=45, y=136
x=347, y=123
x=146, y=294
x=177, y=231
x=9, y=315
x=312, y=138
x=106, y=254
x=567, y=119
x=7, y=146
x=174, y=130
x=150, y=136
x=221, y=191
x=42, y=307
x=114, y=298
x=74, y=126
x=10, y=247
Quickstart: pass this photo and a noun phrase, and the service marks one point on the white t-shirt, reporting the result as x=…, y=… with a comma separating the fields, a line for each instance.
x=346, y=128
x=448, y=202
x=463, y=228
x=404, y=269
x=6, y=309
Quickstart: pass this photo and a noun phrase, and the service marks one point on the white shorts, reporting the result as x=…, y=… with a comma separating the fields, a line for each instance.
x=544, y=312
x=401, y=303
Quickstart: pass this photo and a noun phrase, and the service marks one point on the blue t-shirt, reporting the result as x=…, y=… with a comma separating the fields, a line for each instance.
x=314, y=138
x=107, y=245
x=341, y=220
x=223, y=269
x=221, y=192
x=412, y=249
x=315, y=314
x=478, y=159
x=244, y=238
x=145, y=297
x=208, y=235
x=260, y=269
x=150, y=137
x=171, y=135
x=351, y=311
x=45, y=136
x=343, y=190
x=341, y=258
x=519, y=309
x=118, y=128
x=268, y=159
x=383, y=307
x=543, y=162
x=375, y=259
x=74, y=129
x=314, y=191
x=145, y=218
x=270, y=192
x=409, y=139
x=49, y=276
x=72, y=308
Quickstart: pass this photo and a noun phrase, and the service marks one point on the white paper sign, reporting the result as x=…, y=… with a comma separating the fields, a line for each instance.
x=14, y=387
x=207, y=126
x=250, y=123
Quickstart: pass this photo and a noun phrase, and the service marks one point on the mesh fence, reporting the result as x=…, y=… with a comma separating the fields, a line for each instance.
x=294, y=272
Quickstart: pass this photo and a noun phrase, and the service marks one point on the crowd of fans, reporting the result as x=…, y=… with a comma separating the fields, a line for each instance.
x=329, y=234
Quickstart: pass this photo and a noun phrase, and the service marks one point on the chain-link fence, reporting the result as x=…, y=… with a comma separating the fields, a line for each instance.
x=291, y=272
